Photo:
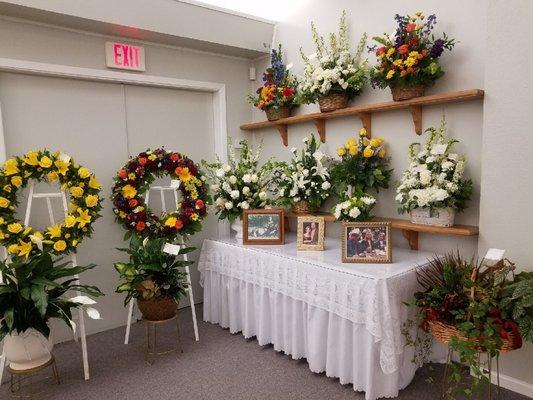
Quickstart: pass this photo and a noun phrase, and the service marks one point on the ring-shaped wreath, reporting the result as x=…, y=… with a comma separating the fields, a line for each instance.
x=135, y=178
x=83, y=209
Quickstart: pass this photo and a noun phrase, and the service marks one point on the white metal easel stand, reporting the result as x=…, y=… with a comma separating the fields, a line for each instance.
x=162, y=190
x=2, y=357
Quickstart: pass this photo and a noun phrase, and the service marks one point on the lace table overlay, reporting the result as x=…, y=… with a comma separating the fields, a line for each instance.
x=369, y=294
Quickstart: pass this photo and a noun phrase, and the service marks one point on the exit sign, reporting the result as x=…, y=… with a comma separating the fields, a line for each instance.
x=124, y=56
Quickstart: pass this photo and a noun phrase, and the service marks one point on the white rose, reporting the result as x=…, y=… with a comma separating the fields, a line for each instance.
x=219, y=201
x=281, y=192
x=246, y=178
x=354, y=212
x=227, y=168
x=226, y=187
x=262, y=195
x=234, y=194
x=232, y=179
x=425, y=177
x=245, y=205
x=228, y=205
x=344, y=205
x=215, y=188
x=296, y=198
x=245, y=190
x=326, y=185
x=368, y=200
x=254, y=178
x=219, y=173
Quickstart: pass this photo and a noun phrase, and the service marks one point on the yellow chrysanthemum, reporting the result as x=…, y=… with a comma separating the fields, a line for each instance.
x=45, y=162
x=84, y=217
x=76, y=191
x=341, y=151
x=31, y=158
x=60, y=245
x=84, y=173
x=195, y=217
x=54, y=231
x=93, y=183
x=16, y=180
x=410, y=61
x=390, y=74
x=11, y=167
x=171, y=221
x=15, y=227
x=129, y=191
x=368, y=152
x=152, y=157
x=184, y=174
x=4, y=203
x=91, y=200
x=390, y=51
x=132, y=176
x=62, y=166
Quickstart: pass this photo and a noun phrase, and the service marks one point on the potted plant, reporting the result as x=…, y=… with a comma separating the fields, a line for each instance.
x=474, y=308
x=240, y=184
x=34, y=291
x=153, y=276
x=433, y=189
x=303, y=183
x=277, y=95
x=337, y=75
x=409, y=62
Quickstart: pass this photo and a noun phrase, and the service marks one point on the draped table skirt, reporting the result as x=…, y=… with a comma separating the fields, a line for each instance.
x=350, y=346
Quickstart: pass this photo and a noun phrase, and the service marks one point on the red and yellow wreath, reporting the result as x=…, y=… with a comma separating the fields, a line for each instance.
x=78, y=182
x=135, y=178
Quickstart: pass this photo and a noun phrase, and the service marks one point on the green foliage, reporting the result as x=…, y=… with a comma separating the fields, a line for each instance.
x=517, y=303
x=34, y=291
x=151, y=273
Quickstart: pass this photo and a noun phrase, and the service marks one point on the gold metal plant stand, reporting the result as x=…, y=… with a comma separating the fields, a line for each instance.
x=22, y=382
x=151, y=350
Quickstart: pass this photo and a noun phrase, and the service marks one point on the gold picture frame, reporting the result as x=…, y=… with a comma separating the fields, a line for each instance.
x=370, y=242
x=311, y=232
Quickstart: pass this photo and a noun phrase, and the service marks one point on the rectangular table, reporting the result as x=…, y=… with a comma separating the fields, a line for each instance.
x=345, y=319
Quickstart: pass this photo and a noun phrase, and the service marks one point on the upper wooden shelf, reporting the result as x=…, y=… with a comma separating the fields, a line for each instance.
x=365, y=111
x=409, y=230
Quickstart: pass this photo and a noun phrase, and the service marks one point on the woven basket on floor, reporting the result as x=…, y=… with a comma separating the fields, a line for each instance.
x=302, y=207
x=400, y=93
x=273, y=114
x=444, y=333
x=333, y=101
x=158, y=310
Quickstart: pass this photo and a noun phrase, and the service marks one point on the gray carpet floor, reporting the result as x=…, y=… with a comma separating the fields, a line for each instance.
x=220, y=366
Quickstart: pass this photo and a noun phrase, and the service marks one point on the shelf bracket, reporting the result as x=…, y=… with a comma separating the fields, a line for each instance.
x=321, y=128
x=366, y=120
x=412, y=238
x=416, y=112
x=282, y=128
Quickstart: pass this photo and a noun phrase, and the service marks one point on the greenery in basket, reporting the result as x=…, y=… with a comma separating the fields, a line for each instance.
x=305, y=177
x=486, y=304
x=279, y=87
x=355, y=208
x=241, y=183
x=152, y=273
x=363, y=165
x=434, y=178
x=35, y=290
x=411, y=57
x=336, y=69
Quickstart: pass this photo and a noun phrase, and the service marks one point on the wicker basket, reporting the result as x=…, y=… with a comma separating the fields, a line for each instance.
x=158, y=310
x=444, y=333
x=302, y=207
x=333, y=101
x=400, y=93
x=273, y=114
x=439, y=217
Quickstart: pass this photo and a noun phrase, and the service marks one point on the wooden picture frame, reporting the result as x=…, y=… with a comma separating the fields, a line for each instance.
x=254, y=233
x=310, y=233
x=357, y=252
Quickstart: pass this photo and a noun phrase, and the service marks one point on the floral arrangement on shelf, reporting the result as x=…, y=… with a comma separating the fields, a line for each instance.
x=305, y=179
x=356, y=208
x=474, y=307
x=277, y=95
x=336, y=70
x=363, y=165
x=411, y=58
x=241, y=183
x=434, y=179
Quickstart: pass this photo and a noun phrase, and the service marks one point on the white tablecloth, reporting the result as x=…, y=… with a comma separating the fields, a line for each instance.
x=345, y=319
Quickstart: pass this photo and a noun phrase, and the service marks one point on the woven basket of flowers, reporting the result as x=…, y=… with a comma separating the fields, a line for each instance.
x=333, y=101
x=400, y=93
x=275, y=113
x=303, y=207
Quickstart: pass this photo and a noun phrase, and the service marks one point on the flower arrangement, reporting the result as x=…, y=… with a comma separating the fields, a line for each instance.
x=356, y=208
x=363, y=165
x=337, y=70
x=241, y=183
x=305, y=178
x=76, y=180
x=411, y=58
x=475, y=307
x=277, y=95
x=434, y=179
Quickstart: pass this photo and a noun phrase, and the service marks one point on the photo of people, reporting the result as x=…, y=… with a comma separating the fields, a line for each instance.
x=366, y=242
x=263, y=226
x=310, y=233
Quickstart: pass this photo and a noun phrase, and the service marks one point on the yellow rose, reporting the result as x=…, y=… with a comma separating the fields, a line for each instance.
x=7, y=188
x=93, y=183
x=60, y=245
x=4, y=203
x=45, y=162
x=16, y=180
x=11, y=167
x=31, y=158
x=351, y=143
x=15, y=227
x=84, y=172
x=353, y=150
x=382, y=153
x=52, y=176
x=362, y=132
x=70, y=220
x=91, y=200
x=129, y=191
x=376, y=142
x=171, y=222
x=341, y=151
x=368, y=152
x=13, y=248
x=76, y=191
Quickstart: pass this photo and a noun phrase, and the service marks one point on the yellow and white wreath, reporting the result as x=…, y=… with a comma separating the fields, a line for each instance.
x=78, y=182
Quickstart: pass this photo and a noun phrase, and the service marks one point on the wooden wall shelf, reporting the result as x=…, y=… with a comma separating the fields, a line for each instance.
x=365, y=111
x=409, y=230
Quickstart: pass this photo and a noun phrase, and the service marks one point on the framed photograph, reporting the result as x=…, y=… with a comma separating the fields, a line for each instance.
x=263, y=226
x=366, y=242
x=310, y=233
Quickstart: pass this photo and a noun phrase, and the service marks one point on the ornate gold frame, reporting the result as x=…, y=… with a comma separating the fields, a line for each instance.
x=321, y=232
x=346, y=225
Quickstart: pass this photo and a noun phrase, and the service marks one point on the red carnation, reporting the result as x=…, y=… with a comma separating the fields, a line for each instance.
x=288, y=92
x=403, y=49
x=133, y=203
x=380, y=50
x=175, y=156
x=179, y=224
x=200, y=204
x=140, y=226
x=410, y=27
x=143, y=160
x=122, y=173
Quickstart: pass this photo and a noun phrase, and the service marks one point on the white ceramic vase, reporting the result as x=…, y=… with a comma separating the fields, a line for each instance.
x=236, y=226
x=439, y=217
x=27, y=350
